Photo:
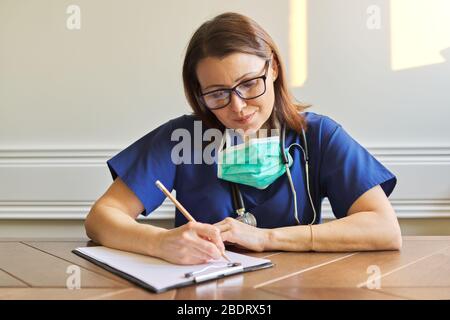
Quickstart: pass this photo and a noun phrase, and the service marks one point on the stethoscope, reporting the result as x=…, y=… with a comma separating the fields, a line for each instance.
x=238, y=202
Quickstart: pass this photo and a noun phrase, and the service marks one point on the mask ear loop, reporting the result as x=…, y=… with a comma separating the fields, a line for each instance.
x=288, y=172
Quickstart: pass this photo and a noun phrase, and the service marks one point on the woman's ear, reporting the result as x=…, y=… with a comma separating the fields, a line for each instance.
x=274, y=67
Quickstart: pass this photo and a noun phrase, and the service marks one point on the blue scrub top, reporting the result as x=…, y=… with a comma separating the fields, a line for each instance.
x=340, y=169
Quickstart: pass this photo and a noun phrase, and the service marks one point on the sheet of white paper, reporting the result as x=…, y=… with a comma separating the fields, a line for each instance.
x=156, y=272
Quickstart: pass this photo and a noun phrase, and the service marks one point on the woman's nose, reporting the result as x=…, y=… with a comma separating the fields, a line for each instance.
x=237, y=103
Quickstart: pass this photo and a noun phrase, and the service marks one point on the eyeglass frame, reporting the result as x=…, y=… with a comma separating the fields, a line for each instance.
x=233, y=89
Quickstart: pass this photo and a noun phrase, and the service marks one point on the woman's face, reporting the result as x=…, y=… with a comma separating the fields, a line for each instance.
x=246, y=115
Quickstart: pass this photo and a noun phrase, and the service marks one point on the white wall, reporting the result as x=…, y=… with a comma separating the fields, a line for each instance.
x=70, y=99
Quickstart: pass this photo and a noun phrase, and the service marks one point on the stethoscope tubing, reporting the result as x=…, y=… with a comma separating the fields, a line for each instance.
x=238, y=201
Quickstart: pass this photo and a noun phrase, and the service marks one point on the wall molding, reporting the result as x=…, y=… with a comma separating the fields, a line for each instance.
x=55, y=156
x=77, y=210
x=98, y=155
x=408, y=209
x=417, y=154
x=74, y=177
x=66, y=210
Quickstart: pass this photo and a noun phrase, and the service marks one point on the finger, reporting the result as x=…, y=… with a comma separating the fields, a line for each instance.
x=227, y=220
x=206, y=247
x=220, y=223
x=192, y=253
x=227, y=236
x=196, y=257
x=208, y=232
x=231, y=240
x=211, y=232
x=223, y=227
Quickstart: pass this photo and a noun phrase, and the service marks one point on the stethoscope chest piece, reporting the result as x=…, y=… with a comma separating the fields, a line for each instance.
x=246, y=217
x=242, y=214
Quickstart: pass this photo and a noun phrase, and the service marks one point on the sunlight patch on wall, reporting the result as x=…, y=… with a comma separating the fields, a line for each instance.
x=298, y=42
x=420, y=29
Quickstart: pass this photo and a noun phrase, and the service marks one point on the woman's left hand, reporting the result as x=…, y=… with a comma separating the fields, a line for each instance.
x=242, y=234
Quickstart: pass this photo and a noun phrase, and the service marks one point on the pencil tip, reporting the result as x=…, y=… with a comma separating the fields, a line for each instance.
x=226, y=257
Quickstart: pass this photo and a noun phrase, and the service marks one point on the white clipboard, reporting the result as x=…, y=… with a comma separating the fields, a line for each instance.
x=158, y=275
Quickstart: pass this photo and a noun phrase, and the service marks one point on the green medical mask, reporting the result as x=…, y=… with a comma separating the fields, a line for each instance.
x=257, y=163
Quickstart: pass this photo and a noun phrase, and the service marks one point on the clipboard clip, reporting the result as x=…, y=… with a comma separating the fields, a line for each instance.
x=231, y=268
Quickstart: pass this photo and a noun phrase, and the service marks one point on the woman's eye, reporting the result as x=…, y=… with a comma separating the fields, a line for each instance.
x=218, y=95
x=248, y=84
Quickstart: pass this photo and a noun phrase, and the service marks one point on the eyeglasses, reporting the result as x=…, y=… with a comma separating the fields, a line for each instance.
x=246, y=90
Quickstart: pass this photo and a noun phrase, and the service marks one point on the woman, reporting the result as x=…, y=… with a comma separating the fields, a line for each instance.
x=234, y=79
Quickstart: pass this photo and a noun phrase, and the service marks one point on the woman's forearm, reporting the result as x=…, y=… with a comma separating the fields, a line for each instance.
x=360, y=231
x=110, y=227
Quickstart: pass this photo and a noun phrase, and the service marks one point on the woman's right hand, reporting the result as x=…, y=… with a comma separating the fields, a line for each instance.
x=192, y=243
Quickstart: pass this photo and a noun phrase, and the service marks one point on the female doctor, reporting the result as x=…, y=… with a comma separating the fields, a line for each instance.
x=234, y=79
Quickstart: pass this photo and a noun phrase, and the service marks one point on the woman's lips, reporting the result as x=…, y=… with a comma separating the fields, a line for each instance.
x=245, y=119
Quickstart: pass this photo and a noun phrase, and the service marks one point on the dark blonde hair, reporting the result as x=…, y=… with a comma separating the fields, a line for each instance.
x=235, y=33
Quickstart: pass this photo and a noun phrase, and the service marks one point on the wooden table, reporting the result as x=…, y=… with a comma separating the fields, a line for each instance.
x=421, y=270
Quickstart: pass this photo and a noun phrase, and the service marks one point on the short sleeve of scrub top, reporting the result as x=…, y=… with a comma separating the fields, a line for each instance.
x=347, y=169
x=145, y=161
